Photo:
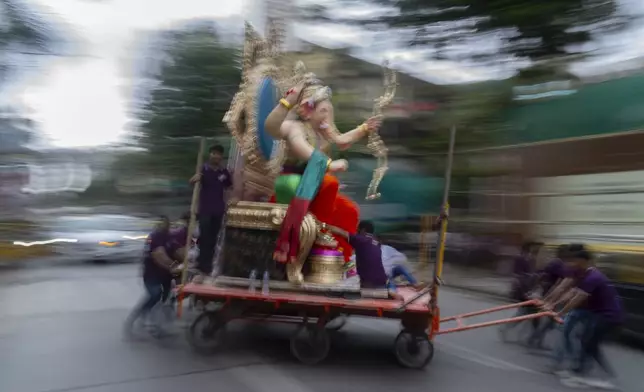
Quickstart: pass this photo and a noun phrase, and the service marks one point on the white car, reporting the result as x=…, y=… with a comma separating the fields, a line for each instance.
x=100, y=238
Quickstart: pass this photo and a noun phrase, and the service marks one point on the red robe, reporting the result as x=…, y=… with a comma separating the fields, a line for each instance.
x=330, y=207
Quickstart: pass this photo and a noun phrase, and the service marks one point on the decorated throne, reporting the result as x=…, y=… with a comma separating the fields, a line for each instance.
x=252, y=224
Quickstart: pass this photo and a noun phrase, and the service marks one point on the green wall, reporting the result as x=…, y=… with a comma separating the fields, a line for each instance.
x=612, y=106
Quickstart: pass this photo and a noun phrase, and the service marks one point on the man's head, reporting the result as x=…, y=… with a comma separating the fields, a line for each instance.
x=215, y=154
x=578, y=257
x=562, y=251
x=531, y=248
x=366, y=227
x=184, y=219
x=163, y=224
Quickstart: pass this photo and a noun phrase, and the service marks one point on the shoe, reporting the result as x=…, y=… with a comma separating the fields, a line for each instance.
x=563, y=373
x=573, y=382
x=599, y=384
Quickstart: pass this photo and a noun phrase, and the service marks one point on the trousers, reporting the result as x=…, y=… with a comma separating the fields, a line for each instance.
x=209, y=226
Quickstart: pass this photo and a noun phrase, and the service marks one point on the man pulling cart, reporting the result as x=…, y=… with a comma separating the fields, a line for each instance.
x=293, y=242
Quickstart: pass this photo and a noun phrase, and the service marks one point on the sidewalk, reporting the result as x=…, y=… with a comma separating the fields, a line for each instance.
x=478, y=281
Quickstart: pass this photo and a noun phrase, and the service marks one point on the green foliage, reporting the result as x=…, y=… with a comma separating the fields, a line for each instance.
x=529, y=29
x=25, y=30
x=196, y=86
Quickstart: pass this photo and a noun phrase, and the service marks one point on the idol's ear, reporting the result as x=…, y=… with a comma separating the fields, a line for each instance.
x=305, y=108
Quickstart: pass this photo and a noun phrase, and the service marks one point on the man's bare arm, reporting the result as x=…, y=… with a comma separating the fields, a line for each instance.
x=577, y=299
x=336, y=230
x=162, y=259
x=556, y=293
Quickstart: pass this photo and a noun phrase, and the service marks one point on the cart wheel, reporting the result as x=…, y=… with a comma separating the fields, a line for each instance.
x=413, y=351
x=205, y=334
x=310, y=344
x=337, y=323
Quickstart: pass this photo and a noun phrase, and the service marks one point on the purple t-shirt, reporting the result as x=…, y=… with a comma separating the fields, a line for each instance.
x=368, y=260
x=524, y=281
x=523, y=265
x=177, y=240
x=214, y=181
x=602, y=296
x=151, y=270
x=553, y=272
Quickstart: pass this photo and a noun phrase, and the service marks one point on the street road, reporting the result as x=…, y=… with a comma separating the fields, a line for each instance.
x=60, y=330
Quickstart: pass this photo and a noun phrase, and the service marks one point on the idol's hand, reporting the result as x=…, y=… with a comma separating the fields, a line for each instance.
x=294, y=94
x=339, y=165
x=373, y=124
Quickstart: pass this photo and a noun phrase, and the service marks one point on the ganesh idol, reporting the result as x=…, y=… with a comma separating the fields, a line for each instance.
x=303, y=120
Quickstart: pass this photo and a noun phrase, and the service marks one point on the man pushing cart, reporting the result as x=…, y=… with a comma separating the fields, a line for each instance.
x=297, y=246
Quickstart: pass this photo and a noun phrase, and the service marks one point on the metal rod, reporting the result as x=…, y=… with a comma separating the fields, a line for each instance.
x=498, y=322
x=191, y=224
x=490, y=310
x=438, y=267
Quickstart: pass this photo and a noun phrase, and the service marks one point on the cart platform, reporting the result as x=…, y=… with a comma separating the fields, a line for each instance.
x=316, y=315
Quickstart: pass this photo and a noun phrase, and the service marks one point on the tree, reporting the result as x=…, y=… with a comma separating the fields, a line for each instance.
x=196, y=83
x=534, y=30
x=26, y=31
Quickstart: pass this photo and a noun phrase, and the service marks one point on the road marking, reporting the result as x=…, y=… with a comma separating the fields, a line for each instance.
x=484, y=359
x=460, y=351
x=267, y=378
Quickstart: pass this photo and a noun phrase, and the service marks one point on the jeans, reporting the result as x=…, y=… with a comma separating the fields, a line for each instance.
x=565, y=349
x=397, y=271
x=594, y=335
x=400, y=270
x=209, y=226
x=156, y=292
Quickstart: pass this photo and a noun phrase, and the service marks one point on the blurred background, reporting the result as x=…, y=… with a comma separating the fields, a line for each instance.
x=103, y=104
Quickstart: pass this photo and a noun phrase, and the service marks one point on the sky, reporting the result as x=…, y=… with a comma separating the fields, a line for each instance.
x=84, y=101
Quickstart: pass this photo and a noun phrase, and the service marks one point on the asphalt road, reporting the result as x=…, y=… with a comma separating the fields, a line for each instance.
x=60, y=330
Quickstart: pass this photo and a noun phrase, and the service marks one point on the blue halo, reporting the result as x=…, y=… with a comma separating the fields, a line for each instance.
x=267, y=99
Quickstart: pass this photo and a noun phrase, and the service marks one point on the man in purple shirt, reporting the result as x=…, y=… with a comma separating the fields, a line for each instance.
x=158, y=270
x=524, y=282
x=368, y=252
x=595, y=291
x=178, y=238
x=215, y=180
x=549, y=277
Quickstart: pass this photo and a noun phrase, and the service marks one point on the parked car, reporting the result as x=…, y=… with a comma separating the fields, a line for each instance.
x=100, y=238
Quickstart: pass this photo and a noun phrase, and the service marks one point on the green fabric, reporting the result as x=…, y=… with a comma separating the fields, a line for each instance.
x=313, y=176
x=285, y=187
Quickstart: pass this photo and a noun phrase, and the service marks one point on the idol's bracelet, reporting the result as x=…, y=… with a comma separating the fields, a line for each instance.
x=285, y=104
x=363, y=128
x=328, y=164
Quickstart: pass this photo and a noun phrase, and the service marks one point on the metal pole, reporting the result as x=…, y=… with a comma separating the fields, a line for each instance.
x=191, y=224
x=438, y=268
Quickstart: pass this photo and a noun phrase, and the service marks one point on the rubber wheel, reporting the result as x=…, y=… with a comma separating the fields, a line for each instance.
x=206, y=333
x=310, y=345
x=337, y=323
x=413, y=351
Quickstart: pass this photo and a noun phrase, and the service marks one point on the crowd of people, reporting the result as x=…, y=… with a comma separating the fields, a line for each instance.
x=572, y=286
x=569, y=284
